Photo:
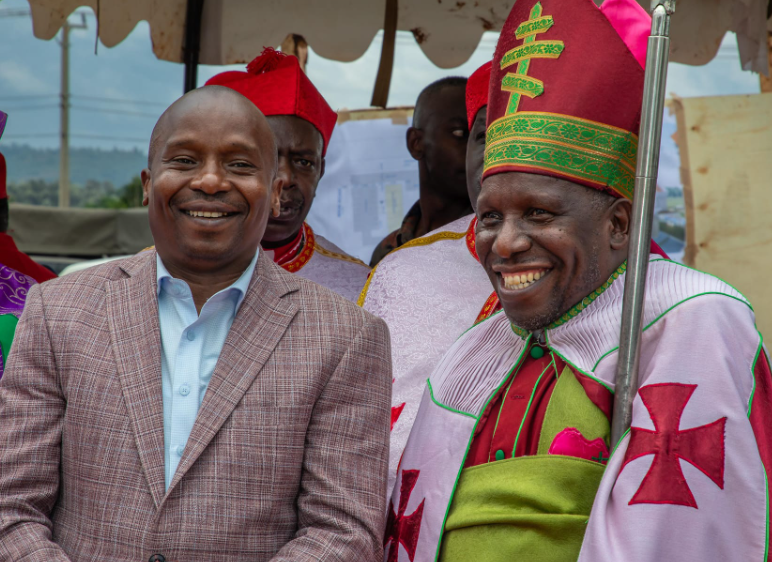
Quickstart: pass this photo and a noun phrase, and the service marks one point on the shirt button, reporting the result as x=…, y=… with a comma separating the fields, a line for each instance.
x=537, y=352
x=191, y=335
x=179, y=450
x=499, y=455
x=185, y=389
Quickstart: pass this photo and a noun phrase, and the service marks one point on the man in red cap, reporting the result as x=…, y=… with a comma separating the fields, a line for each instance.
x=437, y=140
x=302, y=123
x=10, y=256
x=432, y=288
x=510, y=455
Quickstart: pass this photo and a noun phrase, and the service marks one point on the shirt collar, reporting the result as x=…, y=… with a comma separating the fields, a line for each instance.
x=240, y=285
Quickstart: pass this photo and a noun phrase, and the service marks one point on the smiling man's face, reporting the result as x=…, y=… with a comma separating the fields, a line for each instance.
x=211, y=183
x=547, y=243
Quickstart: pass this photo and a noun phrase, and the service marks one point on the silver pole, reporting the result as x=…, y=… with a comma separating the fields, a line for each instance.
x=643, y=213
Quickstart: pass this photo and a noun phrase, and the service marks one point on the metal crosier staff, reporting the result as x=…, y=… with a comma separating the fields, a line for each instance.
x=643, y=211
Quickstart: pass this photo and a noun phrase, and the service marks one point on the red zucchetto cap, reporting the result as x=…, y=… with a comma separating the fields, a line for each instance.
x=277, y=86
x=477, y=91
x=3, y=177
x=566, y=90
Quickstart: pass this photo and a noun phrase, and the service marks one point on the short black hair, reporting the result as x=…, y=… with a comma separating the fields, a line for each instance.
x=601, y=199
x=433, y=88
x=3, y=215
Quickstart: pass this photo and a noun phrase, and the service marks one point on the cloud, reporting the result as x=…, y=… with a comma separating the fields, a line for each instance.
x=22, y=80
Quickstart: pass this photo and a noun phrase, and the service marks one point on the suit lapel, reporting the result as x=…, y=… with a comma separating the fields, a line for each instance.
x=259, y=325
x=132, y=315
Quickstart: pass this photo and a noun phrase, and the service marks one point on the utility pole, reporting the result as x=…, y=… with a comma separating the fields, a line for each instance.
x=64, y=120
x=64, y=113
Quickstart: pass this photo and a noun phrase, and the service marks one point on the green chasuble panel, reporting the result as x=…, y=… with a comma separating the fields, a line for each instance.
x=527, y=508
x=534, y=508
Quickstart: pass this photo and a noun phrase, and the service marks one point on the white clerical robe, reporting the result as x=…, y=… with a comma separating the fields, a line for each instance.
x=687, y=482
x=428, y=291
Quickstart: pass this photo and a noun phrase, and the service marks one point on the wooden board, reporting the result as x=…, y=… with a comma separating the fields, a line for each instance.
x=725, y=145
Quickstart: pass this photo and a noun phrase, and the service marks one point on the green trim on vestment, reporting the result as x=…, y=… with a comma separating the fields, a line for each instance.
x=443, y=406
x=468, y=446
x=766, y=480
x=574, y=311
x=753, y=371
x=569, y=406
x=478, y=323
x=619, y=443
x=604, y=384
x=532, y=508
x=8, y=324
x=710, y=275
x=658, y=318
x=528, y=406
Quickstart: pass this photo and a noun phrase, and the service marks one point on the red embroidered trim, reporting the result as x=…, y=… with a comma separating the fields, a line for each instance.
x=283, y=254
x=301, y=259
x=491, y=305
x=702, y=447
x=471, y=239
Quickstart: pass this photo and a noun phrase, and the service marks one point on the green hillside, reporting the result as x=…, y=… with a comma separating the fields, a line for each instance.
x=115, y=166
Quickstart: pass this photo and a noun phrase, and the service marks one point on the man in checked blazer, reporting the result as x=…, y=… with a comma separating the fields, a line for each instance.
x=193, y=403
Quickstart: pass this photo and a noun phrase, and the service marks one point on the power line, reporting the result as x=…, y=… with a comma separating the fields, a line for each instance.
x=23, y=98
x=38, y=135
x=76, y=135
x=10, y=110
x=118, y=111
x=119, y=100
x=106, y=137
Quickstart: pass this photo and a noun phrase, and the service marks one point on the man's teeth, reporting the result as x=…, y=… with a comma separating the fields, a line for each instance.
x=522, y=280
x=206, y=214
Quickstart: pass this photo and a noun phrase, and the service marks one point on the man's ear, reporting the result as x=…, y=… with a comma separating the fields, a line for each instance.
x=276, y=188
x=322, y=167
x=415, y=143
x=620, y=215
x=146, y=184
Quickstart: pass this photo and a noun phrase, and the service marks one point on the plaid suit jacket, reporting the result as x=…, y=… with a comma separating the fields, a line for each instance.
x=287, y=459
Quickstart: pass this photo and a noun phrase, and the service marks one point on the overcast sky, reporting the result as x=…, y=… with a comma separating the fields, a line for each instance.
x=118, y=94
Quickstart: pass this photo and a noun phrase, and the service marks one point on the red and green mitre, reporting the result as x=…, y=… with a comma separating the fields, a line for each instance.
x=566, y=90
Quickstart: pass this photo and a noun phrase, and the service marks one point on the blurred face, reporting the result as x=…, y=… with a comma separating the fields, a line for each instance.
x=211, y=184
x=301, y=166
x=475, y=154
x=547, y=243
x=440, y=140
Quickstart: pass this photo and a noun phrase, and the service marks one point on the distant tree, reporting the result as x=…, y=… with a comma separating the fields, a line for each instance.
x=93, y=195
x=34, y=192
x=130, y=195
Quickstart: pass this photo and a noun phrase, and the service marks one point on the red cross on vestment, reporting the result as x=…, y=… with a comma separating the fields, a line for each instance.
x=400, y=528
x=702, y=447
x=396, y=411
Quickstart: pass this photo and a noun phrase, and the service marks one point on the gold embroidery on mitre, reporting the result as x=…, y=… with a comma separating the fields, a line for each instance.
x=519, y=84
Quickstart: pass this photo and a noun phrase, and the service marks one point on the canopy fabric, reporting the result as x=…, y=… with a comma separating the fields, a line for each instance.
x=448, y=31
x=79, y=232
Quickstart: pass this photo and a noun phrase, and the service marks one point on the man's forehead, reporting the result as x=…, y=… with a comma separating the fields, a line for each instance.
x=446, y=104
x=236, y=141
x=291, y=131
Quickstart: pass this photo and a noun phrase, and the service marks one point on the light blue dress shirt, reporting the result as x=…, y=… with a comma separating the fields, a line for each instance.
x=190, y=344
